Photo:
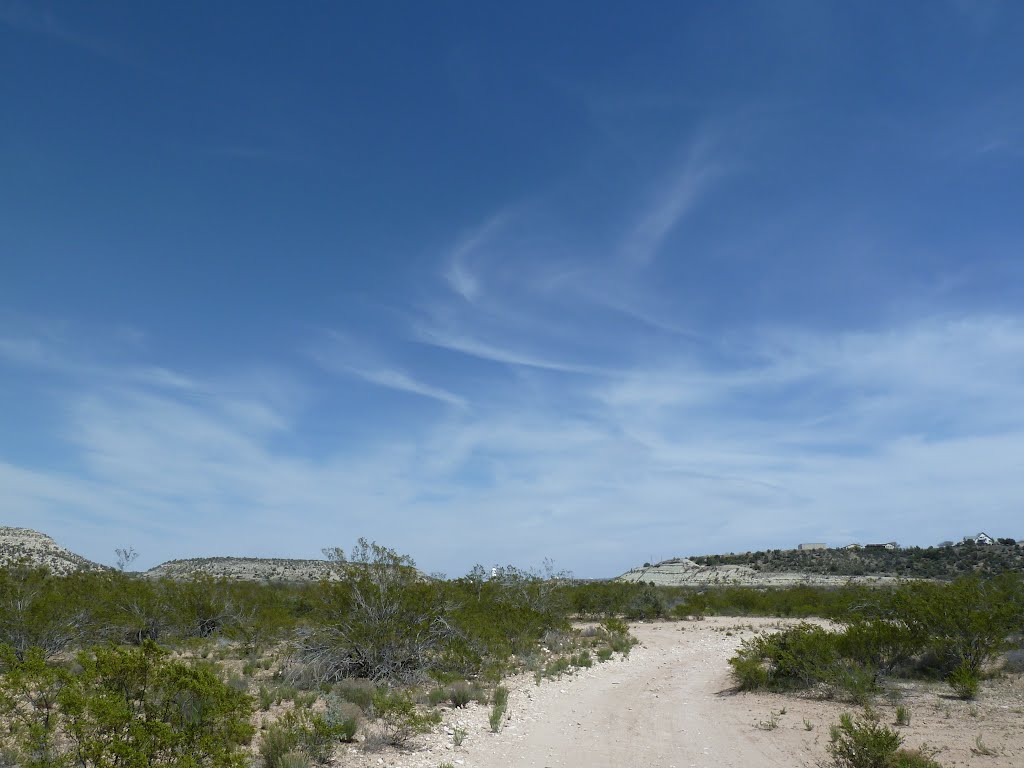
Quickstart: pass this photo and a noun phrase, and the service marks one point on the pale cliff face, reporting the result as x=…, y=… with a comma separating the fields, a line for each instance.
x=38, y=549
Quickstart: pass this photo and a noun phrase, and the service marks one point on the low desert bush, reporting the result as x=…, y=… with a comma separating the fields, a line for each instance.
x=902, y=715
x=358, y=691
x=306, y=733
x=557, y=667
x=396, y=719
x=964, y=682
x=459, y=695
x=344, y=717
x=500, y=698
x=93, y=711
x=497, y=713
x=865, y=743
x=582, y=659
x=293, y=760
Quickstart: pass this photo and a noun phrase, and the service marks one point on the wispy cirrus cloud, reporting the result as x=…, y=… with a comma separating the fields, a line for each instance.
x=902, y=431
x=677, y=197
x=482, y=350
x=460, y=265
x=341, y=354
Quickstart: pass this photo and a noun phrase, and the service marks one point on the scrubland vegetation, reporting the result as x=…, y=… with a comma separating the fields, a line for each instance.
x=947, y=562
x=108, y=668
x=953, y=632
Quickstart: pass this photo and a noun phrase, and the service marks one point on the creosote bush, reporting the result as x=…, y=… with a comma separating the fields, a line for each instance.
x=921, y=629
x=460, y=694
x=133, y=703
x=312, y=735
x=964, y=682
x=865, y=743
x=397, y=720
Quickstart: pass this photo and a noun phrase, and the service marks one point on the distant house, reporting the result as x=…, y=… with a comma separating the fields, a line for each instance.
x=887, y=545
x=979, y=538
x=809, y=547
x=852, y=546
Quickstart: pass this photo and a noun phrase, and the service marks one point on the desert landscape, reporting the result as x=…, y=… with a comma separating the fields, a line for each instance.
x=362, y=660
x=419, y=384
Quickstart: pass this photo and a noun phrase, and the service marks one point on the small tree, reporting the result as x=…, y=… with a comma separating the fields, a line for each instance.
x=381, y=620
x=125, y=557
x=35, y=612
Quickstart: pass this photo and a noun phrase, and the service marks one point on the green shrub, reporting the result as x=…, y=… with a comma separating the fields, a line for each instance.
x=966, y=624
x=379, y=621
x=915, y=758
x=266, y=698
x=460, y=695
x=500, y=696
x=133, y=703
x=615, y=626
x=863, y=743
x=857, y=682
x=497, y=713
x=436, y=696
x=902, y=715
x=344, y=717
x=358, y=691
x=397, y=720
x=293, y=760
x=604, y=654
x=279, y=740
x=312, y=735
x=557, y=667
x=582, y=659
x=964, y=682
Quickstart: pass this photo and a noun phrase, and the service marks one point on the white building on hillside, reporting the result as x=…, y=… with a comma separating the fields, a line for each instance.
x=979, y=538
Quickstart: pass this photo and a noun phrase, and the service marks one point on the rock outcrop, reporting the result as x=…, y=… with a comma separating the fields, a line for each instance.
x=681, y=572
x=23, y=545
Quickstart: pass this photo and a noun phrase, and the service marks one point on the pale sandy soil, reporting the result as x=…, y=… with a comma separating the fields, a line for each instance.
x=670, y=705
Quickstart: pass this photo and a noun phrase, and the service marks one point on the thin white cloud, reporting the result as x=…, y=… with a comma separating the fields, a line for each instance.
x=497, y=354
x=459, y=272
x=675, y=201
x=339, y=353
x=898, y=433
x=402, y=382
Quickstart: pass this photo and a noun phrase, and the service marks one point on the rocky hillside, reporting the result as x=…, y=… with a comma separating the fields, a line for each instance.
x=246, y=569
x=682, y=572
x=946, y=562
x=25, y=545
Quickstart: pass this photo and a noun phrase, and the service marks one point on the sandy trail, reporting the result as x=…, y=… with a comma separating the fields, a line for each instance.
x=667, y=706
x=670, y=705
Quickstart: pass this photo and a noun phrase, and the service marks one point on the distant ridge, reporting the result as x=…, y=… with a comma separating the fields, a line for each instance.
x=246, y=569
x=682, y=572
x=24, y=545
x=872, y=565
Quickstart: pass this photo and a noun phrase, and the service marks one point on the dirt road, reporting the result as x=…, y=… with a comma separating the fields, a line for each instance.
x=667, y=706
x=670, y=706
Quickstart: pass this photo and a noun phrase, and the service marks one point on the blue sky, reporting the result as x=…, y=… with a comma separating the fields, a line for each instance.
x=494, y=283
